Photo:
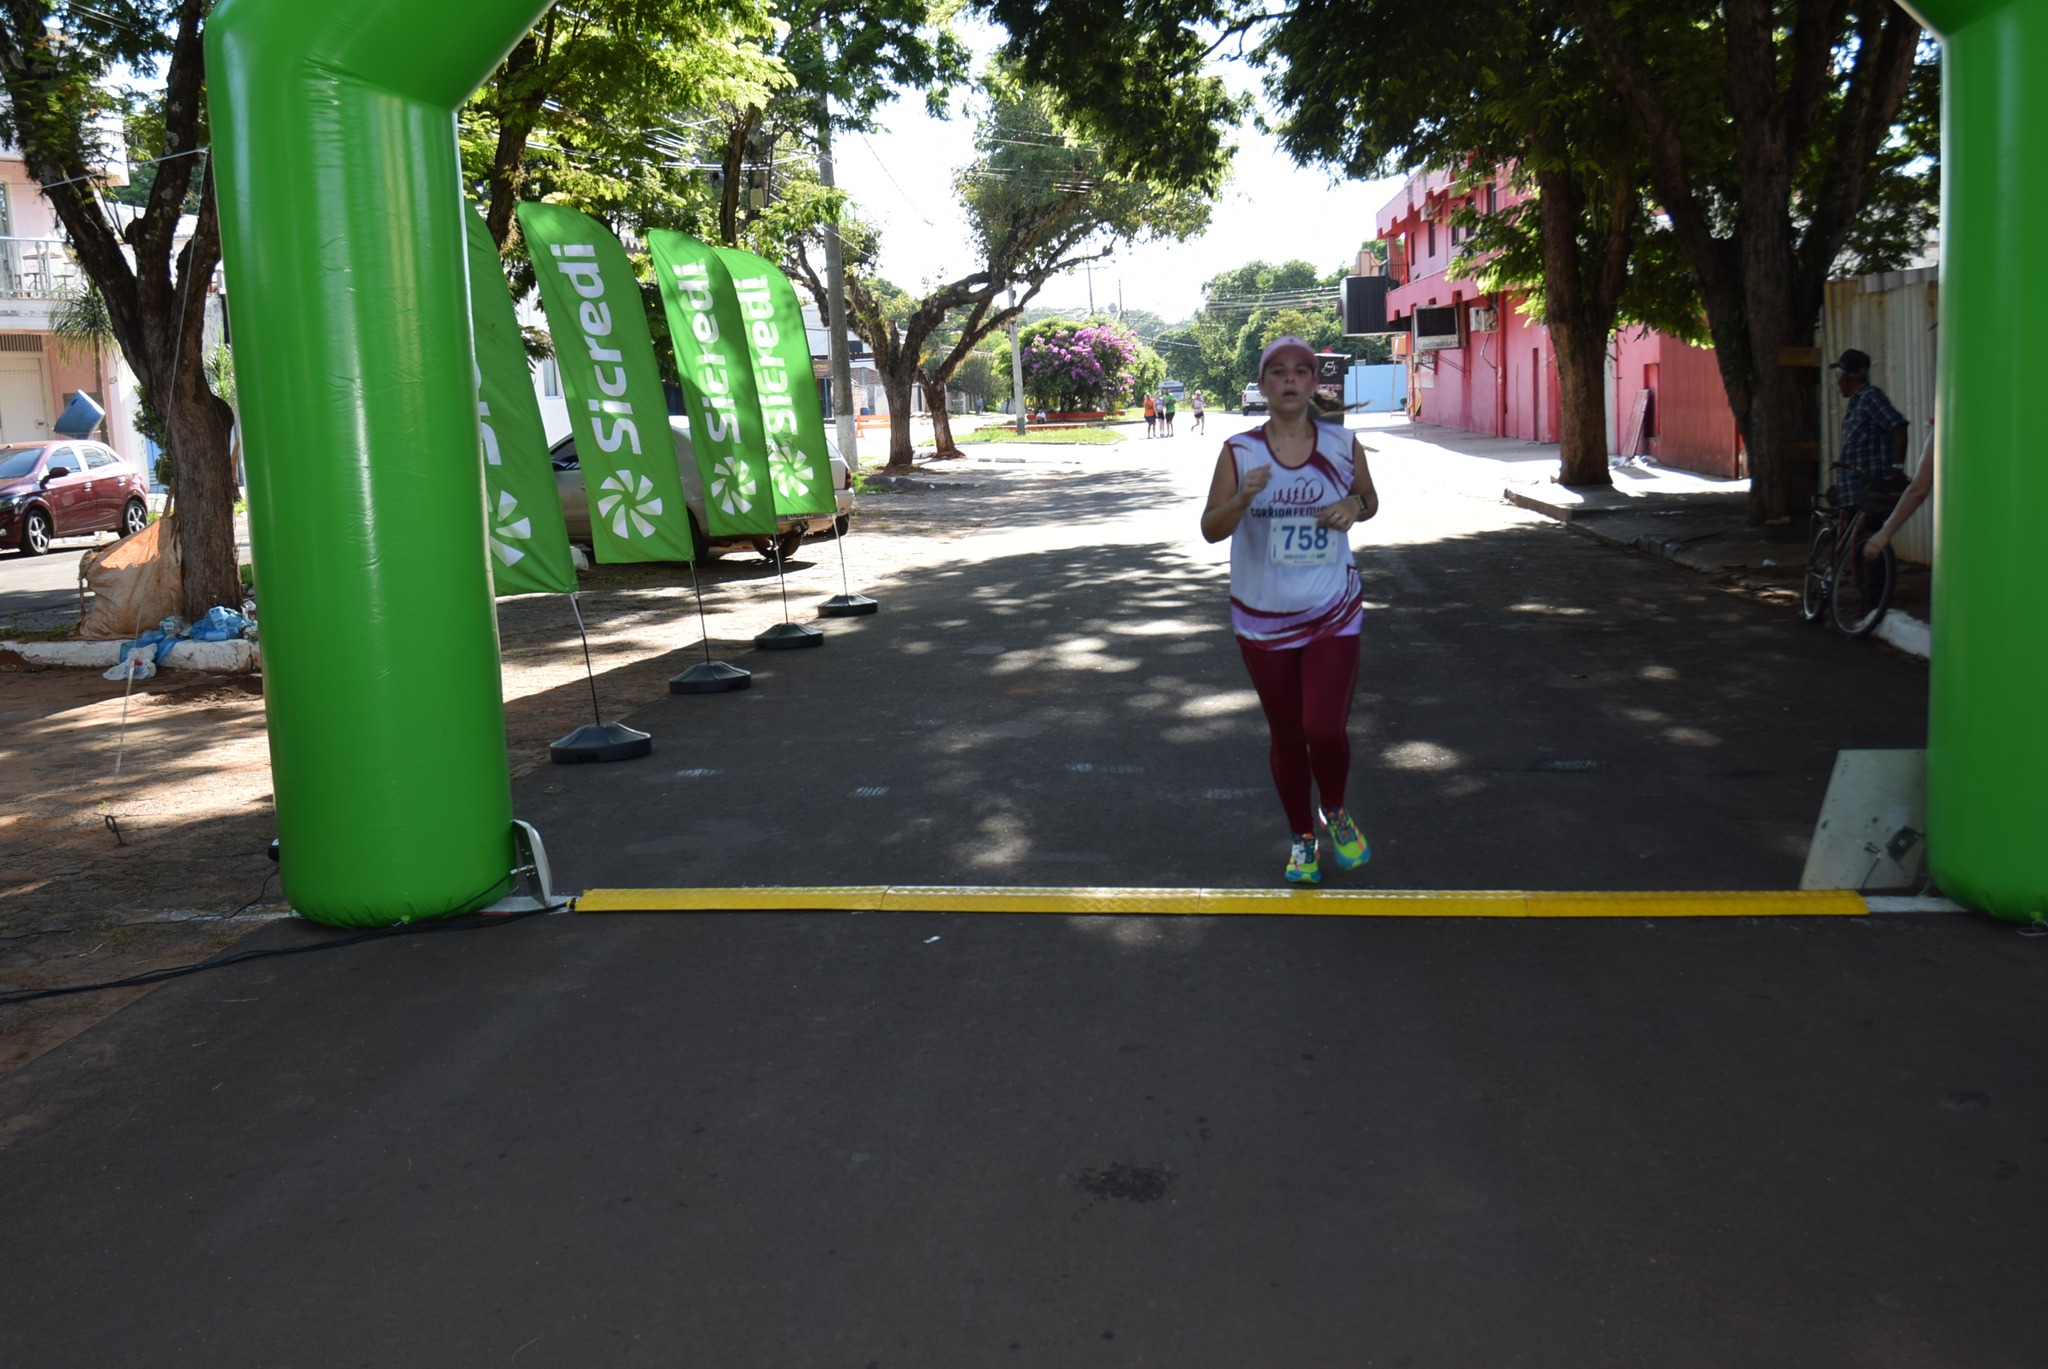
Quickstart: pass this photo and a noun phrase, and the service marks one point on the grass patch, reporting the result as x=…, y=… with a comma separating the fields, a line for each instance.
x=1051, y=437
x=14, y=632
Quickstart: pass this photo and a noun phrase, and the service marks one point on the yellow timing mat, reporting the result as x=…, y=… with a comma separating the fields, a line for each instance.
x=919, y=898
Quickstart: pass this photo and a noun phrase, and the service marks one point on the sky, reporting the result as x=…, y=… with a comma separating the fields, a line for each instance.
x=900, y=179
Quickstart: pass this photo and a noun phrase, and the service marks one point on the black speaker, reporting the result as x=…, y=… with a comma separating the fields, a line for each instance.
x=1365, y=305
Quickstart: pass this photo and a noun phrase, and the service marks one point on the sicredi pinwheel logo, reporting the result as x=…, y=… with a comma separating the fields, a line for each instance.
x=627, y=501
x=789, y=470
x=508, y=528
x=732, y=485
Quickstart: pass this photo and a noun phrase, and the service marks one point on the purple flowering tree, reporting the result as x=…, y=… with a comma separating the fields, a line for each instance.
x=1078, y=368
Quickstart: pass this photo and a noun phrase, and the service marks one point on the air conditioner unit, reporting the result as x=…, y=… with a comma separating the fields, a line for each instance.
x=1436, y=328
x=1481, y=318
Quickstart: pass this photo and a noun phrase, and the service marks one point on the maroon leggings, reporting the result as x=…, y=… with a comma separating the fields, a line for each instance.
x=1306, y=693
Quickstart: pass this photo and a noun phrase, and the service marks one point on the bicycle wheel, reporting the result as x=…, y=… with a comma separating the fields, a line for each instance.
x=1863, y=589
x=1820, y=568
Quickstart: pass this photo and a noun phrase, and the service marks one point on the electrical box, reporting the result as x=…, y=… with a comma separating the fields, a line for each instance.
x=1482, y=318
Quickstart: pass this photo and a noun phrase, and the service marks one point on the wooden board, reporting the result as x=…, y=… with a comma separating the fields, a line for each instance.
x=1632, y=444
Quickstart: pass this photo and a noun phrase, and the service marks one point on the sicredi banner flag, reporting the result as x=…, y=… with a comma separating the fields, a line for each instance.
x=616, y=407
x=718, y=385
x=529, y=546
x=799, y=460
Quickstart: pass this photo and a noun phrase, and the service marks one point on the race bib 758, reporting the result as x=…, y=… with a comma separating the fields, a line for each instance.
x=1300, y=542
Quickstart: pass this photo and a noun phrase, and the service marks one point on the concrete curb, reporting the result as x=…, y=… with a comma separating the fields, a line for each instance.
x=1900, y=630
x=901, y=484
x=238, y=657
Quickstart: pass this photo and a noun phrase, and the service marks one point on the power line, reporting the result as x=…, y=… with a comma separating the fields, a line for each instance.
x=892, y=180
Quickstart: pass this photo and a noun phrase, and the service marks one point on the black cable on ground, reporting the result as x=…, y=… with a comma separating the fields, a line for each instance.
x=470, y=922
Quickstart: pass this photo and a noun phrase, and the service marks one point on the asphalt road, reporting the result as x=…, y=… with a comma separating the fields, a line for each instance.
x=42, y=591
x=928, y=1140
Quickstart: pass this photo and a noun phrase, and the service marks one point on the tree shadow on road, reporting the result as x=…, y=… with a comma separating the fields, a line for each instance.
x=1534, y=711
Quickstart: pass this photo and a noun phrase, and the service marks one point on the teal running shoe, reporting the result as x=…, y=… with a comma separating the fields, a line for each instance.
x=1347, y=843
x=1301, y=861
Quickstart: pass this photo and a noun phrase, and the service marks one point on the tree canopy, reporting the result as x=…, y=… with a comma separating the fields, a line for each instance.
x=1040, y=200
x=1765, y=143
x=1771, y=127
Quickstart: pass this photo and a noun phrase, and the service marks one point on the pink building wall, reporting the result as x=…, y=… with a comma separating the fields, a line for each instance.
x=1690, y=425
x=30, y=216
x=1504, y=383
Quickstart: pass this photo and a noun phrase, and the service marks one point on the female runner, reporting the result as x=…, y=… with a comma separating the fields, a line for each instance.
x=1286, y=494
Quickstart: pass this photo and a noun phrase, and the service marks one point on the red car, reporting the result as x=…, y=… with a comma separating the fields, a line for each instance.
x=67, y=489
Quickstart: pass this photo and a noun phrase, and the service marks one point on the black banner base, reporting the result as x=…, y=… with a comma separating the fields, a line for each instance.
x=710, y=677
x=847, y=606
x=601, y=742
x=788, y=637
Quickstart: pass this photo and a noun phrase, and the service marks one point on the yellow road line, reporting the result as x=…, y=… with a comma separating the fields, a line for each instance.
x=914, y=898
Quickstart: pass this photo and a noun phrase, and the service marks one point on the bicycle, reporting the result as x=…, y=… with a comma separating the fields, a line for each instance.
x=1840, y=581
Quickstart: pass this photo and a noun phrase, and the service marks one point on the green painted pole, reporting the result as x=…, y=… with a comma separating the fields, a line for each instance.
x=341, y=221
x=1987, y=736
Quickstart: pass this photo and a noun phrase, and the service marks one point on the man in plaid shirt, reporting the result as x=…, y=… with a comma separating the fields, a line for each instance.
x=1873, y=432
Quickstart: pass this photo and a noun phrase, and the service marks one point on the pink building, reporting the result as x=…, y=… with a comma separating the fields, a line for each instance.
x=1685, y=421
x=1477, y=364
x=38, y=375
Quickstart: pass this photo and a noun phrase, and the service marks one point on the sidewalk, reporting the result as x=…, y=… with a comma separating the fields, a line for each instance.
x=1695, y=521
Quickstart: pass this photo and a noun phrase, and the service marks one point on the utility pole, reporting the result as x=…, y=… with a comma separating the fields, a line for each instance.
x=835, y=298
x=1016, y=364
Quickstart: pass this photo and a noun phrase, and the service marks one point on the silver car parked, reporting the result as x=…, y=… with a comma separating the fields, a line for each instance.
x=790, y=532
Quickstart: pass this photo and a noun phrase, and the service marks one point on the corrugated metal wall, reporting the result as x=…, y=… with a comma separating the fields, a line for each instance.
x=1890, y=315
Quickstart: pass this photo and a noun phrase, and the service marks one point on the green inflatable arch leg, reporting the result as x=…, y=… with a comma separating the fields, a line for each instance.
x=1987, y=760
x=334, y=147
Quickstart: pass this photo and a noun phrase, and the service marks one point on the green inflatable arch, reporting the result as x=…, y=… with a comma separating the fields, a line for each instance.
x=334, y=146
x=1987, y=737
x=337, y=172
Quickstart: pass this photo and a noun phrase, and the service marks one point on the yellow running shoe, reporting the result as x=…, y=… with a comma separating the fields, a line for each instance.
x=1347, y=843
x=1301, y=861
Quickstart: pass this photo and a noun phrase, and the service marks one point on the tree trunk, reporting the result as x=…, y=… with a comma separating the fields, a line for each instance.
x=522, y=71
x=942, y=422
x=901, y=449
x=1579, y=310
x=1780, y=418
x=1582, y=395
x=734, y=177
x=1777, y=407
x=196, y=427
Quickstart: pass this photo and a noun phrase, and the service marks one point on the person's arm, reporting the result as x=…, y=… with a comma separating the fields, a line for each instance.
x=1915, y=495
x=1363, y=501
x=1229, y=497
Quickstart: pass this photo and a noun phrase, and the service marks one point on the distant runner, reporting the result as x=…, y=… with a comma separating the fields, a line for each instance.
x=1195, y=408
x=1287, y=494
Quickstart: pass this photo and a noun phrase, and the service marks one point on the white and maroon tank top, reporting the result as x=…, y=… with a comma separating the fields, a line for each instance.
x=1290, y=581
